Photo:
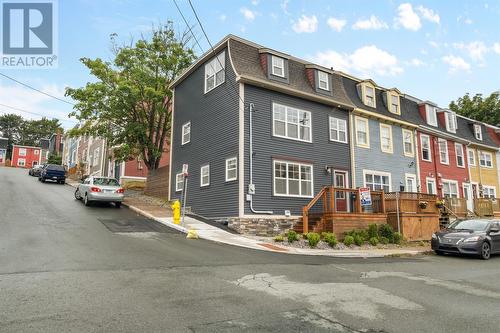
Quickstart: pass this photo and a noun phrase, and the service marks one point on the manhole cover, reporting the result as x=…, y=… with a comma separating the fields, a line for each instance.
x=135, y=225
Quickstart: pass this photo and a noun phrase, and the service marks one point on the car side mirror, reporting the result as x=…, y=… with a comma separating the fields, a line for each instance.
x=494, y=229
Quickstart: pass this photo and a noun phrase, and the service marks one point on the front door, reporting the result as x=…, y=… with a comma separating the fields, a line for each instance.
x=468, y=196
x=341, y=197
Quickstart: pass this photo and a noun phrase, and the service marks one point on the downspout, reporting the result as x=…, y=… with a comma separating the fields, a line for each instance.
x=250, y=148
x=417, y=161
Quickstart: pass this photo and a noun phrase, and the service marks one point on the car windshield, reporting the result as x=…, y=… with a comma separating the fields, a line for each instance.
x=474, y=225
x=55, y=167
x=106, y=182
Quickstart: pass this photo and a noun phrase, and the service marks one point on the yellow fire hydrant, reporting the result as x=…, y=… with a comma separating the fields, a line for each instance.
x=176, y=210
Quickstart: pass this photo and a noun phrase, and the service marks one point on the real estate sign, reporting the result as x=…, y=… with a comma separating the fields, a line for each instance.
x=365, y=196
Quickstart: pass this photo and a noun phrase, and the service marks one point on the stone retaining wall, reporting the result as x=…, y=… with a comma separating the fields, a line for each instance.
x=262, y=226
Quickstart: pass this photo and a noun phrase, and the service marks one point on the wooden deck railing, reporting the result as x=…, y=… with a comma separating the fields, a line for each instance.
x=456, y=206
x=483, y=207
x=409, y=202
x=495, y=203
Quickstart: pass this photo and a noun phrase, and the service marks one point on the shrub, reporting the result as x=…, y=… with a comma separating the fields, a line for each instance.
x=384, y=240
x=348, y=240
x=385, y=230
x=330, y=238
x=373, y=231
x=374, y=241
x=292, y=236
x=313, y=239
x=279, y=238
x=397, y=238
x=358, y=240
x=304, y=236
x=363, y=234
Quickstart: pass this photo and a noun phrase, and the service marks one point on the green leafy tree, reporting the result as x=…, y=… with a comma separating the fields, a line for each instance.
x=129, y=101
x=54, y=159
x=479, y=108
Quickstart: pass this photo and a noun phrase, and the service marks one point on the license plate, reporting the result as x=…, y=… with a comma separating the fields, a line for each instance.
x=108, y=191
x=54, y=177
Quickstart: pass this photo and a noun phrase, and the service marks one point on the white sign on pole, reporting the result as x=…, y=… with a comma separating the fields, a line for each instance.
x=365, y=196
x=185, y=168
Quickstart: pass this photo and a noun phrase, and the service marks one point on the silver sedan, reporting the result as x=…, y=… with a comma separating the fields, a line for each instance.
x=101, y=189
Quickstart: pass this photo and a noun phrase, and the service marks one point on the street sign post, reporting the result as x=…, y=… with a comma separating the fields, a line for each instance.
x=185, y=173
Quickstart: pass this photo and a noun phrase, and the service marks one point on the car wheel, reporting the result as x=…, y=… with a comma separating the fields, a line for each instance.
x=78, y=195
x=118, y=204
x=439, y=253
x=86, y=201
x=43, y=180
x=485, y=251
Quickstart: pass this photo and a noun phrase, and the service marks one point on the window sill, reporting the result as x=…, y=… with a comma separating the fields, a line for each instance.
x=293, y=139
x=292, y=196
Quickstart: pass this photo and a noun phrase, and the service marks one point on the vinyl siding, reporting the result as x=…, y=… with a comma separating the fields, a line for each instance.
x=214, y=138
x=319, y=153
x=483, y=175
x=397, y=164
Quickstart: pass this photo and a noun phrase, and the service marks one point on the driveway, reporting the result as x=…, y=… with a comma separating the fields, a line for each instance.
x=65, y=267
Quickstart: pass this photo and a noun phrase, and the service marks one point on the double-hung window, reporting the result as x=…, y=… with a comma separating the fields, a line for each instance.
x=471, y=157
x=443, y=151
x=291, y=123
x=215, y=72
x=338, y=130
x=477, y=132
x=179, y=182
x=431, y=185
x=22, y=151
x=231, y=169
x=293, y=179
x=425, y=143
x=450, y=189
x=370, y=96
x=489, y=192
x=459, y=152
x=431, y=115
x=323, y=82
x=394, y=104
x=186, y=133
x=278, y=66
x=21, y=162
x=377, y=181
x=485, y=159
x=451, y=122
x=205, y=175
x=386, y=138
x=408, y=142
x=362, y=132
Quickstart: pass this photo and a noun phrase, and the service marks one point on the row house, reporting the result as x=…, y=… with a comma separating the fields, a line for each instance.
x=4, y=144
x=262, y=132
x=25, y=156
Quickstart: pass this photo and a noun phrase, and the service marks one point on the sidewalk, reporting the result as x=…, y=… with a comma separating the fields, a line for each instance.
x=155, y=209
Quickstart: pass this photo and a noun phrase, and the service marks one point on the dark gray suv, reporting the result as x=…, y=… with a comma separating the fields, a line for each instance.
x=476, y=236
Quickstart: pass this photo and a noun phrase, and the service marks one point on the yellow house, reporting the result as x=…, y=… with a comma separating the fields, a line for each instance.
x=483, y=171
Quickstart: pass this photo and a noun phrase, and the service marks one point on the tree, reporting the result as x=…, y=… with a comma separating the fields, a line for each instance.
x=54, y=158
x=129, y=102
x=482, y=109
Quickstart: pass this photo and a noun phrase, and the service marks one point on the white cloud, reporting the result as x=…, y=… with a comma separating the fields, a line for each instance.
x=248, y=14
x=306, y=24
x=407, y=17
x=476, y=50
x=336, y=24
x=255, y=2
x=367, y=61
x=222, y=17
x=416, y=62
x=373, y=23
x=428, y=14
x=468, y=21
x=496, y=48
x=434, y=44
x=284, y=7
x=456, y=63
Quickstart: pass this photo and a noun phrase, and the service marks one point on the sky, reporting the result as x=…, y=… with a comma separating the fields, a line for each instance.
x=433, y=50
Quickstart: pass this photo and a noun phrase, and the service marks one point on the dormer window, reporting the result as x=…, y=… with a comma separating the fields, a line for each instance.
x=477, y=132
x=430, y=114
x=323, y=81
x=395, y=104
x=451, y=122
x=214, y=72
x=278, y=66
x=370, y=96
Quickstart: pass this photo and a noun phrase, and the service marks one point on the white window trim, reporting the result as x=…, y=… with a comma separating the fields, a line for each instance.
x=23, y=160
x=286, y=124
x=433, y=181
x=473, y=157
x=204, y=167
x=463, y=155
x=391, y=149
x=422, y=147
x=447, y=162
x=24, y=150
x=367, y=144
x=300, y=184
x=412, y=154
x=282, y=68
x=451, y=182
x=478, y=132
x=364, y=86
x=390, y=95
x=428, y=110
x=36, y=152
x=235, y=159
x=490, y=187
x=491, y=159
x=184, y=126
x=327, y=81
x=447, y=122
x=338, y=120
x=414, y=177
x=377, y=173
x=215, y=60
x=177, y=183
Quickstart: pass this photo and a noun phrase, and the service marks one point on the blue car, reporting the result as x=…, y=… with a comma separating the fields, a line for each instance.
x=53, y=172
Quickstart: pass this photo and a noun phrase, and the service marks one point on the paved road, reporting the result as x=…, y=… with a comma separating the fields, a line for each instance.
x=68, y=268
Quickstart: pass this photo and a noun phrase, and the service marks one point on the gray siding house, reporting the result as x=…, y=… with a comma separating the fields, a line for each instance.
x=260, y=131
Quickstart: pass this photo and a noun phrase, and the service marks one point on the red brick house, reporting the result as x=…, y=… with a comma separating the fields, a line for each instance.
x=25, y=156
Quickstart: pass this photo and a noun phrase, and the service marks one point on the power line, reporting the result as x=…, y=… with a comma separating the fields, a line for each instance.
x=189, y=27
x=35, y=114
x=37, y=90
